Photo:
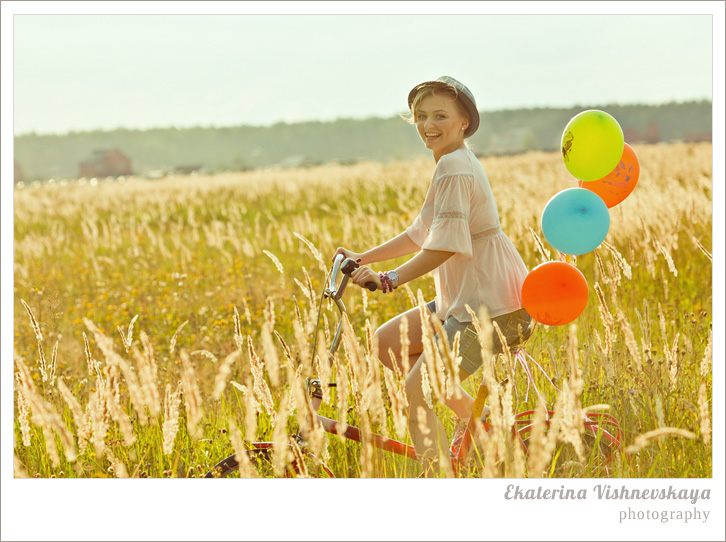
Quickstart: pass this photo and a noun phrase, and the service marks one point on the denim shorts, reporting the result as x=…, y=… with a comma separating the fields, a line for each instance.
x=469, y=347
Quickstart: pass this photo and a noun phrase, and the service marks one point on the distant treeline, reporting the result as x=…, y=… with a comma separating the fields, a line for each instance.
x=213, y=149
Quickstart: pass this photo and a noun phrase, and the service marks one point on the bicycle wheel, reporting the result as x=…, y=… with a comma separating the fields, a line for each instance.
x=227, y=467
x=261, y=460
x=566, y=464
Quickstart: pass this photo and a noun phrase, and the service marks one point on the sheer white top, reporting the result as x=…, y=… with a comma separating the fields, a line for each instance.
x=460, y=215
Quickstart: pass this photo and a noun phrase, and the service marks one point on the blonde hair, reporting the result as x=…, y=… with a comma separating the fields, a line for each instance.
x=435, y=88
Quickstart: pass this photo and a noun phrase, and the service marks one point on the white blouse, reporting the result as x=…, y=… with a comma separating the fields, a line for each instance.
x=460, y=215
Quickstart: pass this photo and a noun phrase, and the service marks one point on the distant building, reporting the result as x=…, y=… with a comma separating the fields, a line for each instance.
x=698, y=137
x=18, y=177
x=295, y=161
x=105, y=163
x=189, y=169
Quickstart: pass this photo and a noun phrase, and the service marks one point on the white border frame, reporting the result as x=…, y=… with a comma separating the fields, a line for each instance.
x=149, y=510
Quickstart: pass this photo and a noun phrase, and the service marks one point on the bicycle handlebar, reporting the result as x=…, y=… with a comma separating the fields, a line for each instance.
x=334, y=291
x=347, y=266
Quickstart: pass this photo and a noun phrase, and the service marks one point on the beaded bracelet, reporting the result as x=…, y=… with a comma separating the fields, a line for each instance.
x=389, y=282
x=386, y=284
x=384, y=288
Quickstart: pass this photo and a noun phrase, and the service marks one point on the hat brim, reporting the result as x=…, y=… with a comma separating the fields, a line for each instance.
x=465, y=99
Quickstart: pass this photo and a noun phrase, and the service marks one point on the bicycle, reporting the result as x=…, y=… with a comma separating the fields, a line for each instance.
x=603, y=435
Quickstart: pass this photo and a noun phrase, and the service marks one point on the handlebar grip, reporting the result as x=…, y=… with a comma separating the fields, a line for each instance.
x=348, y=266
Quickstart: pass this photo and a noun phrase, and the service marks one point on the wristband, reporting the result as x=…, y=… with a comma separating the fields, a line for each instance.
x=386, y=285
x=389, y=281
x=393, y=277
x=384, y=282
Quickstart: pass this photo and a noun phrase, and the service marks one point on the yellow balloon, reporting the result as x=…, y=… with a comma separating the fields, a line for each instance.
x=592, y=145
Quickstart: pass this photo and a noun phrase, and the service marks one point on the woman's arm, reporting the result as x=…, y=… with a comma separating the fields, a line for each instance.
x=424, y=262
x=401, y=245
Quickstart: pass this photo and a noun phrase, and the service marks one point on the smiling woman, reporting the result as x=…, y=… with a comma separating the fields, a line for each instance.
x=477, y=270
x=443, y=116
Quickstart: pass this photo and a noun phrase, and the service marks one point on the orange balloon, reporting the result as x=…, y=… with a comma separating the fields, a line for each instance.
x=555, y=293
x=620, y=182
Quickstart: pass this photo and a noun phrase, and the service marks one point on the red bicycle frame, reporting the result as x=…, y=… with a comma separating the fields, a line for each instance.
x=601, y=425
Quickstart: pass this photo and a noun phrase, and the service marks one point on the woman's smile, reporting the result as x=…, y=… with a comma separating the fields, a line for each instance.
x=440, y=125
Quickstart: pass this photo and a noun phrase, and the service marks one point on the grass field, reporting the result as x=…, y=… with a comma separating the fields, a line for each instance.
x=161, y=325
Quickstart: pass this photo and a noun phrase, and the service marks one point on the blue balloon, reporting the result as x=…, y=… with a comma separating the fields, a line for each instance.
x=575, y=221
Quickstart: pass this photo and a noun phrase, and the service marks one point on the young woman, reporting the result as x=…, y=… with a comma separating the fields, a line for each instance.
x=457, y=235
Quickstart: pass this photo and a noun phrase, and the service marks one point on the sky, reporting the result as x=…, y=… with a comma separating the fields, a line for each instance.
x=85, y=72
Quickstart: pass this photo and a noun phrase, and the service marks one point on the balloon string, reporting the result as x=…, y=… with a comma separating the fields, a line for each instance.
x=521, y=358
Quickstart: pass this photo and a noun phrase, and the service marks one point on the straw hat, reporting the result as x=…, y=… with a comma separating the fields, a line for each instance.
x=465, y=95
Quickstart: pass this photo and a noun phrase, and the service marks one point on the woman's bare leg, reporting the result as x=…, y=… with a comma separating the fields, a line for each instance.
x=389, y=338
x=460, y=401
x=429, y=437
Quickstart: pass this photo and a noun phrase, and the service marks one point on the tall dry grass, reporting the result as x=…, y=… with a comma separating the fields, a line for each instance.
x=161, y=326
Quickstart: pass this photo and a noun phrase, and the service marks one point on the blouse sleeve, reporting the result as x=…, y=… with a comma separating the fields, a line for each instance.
x=450, y=226
x=417, y=231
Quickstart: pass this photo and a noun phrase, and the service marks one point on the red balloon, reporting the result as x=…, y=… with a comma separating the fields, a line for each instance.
x=620, y=182
x=555, y=293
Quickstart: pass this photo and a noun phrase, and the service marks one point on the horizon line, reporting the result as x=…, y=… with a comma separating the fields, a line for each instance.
x=74, y=131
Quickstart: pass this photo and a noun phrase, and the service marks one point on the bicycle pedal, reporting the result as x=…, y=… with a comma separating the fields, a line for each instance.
x=315, y=388
x=300, y=441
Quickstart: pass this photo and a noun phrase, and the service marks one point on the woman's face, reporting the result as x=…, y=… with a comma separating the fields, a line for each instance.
x=440, y=124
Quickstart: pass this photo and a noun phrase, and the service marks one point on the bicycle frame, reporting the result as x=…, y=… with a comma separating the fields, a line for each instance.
x=523, y=421
x=334, y=290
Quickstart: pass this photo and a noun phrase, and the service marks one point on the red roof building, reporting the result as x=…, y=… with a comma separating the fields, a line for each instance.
x=105, y=163
x=18, y=174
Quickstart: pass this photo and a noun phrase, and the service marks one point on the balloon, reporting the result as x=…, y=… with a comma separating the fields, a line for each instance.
x=555, y=293
x=592, y=145
x=620, y=182
x=575, y=221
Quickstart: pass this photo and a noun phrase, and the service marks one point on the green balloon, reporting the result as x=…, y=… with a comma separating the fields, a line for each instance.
x=592, y=145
